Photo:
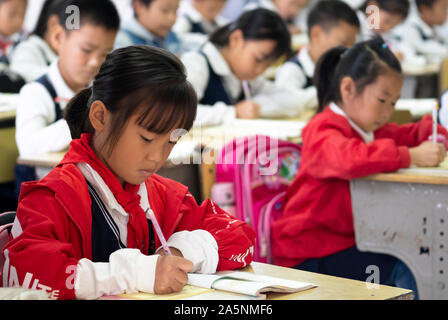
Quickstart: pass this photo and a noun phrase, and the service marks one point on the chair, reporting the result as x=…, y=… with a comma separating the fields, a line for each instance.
x=6, y=222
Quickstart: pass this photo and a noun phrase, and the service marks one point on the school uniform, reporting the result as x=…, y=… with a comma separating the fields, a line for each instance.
x=392, y=38
x=297, y=73
x=32, y=57
x=133, y=33
x=80, y=234
x=317, y=219
x=422, y=38
x=40, y=127
x=192, y=21
x=7, y=46
x=218, y=89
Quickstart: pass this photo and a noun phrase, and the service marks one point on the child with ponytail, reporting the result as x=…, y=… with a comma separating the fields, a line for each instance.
x=89, y=228
x=348, y=138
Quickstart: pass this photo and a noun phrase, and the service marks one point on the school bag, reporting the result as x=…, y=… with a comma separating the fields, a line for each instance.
x=252, y=175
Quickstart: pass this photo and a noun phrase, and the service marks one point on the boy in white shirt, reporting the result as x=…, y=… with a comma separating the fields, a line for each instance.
x=40, y=127
x=330, y=24
x=32, y=56
x=420, y=30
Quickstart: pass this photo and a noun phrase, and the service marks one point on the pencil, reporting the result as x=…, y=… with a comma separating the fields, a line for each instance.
x=434, y=122
x=246, y=89
x=158, y=231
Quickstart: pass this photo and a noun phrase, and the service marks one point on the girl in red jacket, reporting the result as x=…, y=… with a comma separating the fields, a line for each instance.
x=348, y=138
x=85, y=230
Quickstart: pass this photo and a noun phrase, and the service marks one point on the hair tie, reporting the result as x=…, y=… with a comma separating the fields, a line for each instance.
x=385, y=45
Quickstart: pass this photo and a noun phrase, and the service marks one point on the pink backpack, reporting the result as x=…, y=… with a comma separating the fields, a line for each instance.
x=252, y=175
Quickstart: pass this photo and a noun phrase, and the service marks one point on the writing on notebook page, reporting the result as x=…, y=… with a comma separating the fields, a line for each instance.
x=247, y=283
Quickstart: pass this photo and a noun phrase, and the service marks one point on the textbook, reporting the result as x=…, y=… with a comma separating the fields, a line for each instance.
x=247, y=283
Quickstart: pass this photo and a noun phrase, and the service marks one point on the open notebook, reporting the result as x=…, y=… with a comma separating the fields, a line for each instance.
x=224, y=285
x=247, y=283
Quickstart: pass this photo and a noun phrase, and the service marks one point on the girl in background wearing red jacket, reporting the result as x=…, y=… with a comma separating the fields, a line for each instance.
x=348, y=138
x=84, y=230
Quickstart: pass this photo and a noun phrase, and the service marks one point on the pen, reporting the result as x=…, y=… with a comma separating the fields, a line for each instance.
x=246, y=89
x=434, y=122
x=158, y=231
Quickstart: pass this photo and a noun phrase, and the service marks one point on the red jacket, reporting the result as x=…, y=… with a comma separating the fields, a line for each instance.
x=317, y=220
x=55, y=217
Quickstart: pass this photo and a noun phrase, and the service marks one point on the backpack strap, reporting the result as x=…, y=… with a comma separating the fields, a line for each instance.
x=45, y=81
x=309, y=81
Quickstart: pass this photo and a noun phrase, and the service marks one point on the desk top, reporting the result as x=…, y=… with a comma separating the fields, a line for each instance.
x=413, y=175
x=421, y=70
x=329, y=288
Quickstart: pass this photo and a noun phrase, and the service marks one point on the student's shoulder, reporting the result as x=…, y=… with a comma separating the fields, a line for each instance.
x=328, y=120
x=36, y=91
x=62, y=180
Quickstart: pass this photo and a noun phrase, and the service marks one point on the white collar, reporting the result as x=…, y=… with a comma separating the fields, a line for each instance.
x=134, y=26
x=366, y=136
x=216, y=60
x=58, y=82
x=306, y=61
x=106, y=194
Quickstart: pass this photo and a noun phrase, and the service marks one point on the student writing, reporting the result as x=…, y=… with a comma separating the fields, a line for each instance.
x=330, y=24
x=32, y=56
x=12, y=15
x=40, y=127
x=419, y=31
x=349, y=138
x=82, y=231
x=241, y=51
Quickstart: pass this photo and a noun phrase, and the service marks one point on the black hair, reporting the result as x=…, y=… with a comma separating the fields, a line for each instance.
x=257, y=24
x=399, y=7
x=140, y=80
x=364, y=63
x=96, y=12
x=328, y=13
x=49, y=8
x=425, y=3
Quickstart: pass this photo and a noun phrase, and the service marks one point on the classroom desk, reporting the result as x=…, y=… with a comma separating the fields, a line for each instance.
x=417, y=107
x=421, y=70
x=405, y=214
x=328, y=288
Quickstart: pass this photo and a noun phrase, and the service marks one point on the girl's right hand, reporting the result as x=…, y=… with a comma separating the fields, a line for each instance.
x=247, y=109
x=428, y=154
x=171, y=274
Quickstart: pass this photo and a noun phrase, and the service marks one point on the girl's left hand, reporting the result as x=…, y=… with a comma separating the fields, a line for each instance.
x=174, y=252
x=247, y=109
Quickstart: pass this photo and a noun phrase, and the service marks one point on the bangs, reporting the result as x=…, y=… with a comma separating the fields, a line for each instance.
x=165, y=107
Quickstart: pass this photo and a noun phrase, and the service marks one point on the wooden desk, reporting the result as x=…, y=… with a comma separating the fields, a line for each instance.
x=328, y=288
x=405, y=214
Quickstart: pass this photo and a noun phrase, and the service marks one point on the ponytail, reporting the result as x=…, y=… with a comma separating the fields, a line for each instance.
x=77, y=114
x=324, y=77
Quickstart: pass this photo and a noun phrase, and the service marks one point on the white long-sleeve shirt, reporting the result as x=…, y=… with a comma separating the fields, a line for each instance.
x=31, y=58
x=293, y=76
x=275, y=101
x=35, y=131
x=128, y=270
x=411, y=31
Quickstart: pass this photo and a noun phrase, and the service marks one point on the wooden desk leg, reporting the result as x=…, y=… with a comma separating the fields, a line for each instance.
x=207, y=176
